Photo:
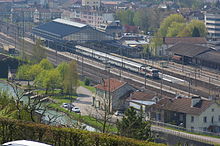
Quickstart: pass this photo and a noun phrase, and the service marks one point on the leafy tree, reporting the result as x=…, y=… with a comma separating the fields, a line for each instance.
x=48, y=79
x=71, y=79
x=46, y=64
x=175, y=28
x=23, y=73
x=38, y=51
x=62, y=68
x=187, y=31
x=125, y=16
x=35, y=70
x=133, y=125
x=167, y=22
x=195, y=32
x=141, y=19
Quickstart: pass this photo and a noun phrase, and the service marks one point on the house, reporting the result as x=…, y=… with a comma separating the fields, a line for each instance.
x=192, y=113
x=171, y=41
x=142, y=101
x=112, y=93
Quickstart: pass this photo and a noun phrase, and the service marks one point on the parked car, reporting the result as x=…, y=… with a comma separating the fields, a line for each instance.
x=119, y=113
x=24, y=143
x=76, y=109
x=68, y=105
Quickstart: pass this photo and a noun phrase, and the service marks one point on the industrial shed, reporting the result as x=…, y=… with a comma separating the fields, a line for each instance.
x=60, y=30
x=209, y=59
x=186, y=53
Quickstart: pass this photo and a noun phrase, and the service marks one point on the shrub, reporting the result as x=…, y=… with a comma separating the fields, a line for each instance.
x=87, y=82
x=14, y=130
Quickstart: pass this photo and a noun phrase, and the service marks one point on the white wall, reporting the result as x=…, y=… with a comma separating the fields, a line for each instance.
x=198, y=119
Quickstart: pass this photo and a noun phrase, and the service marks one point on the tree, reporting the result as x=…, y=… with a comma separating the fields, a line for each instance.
x=141, y=19
x=38, y=51
x=125, y=16
x=133, y=125
x=23, y=73
x=175, y=28
x=167, y=22
x=35, y=70
x=46, y=64
x=71, y=79
x=188, y=30
x=62, y=68
x=195, y=32
x=49, y=80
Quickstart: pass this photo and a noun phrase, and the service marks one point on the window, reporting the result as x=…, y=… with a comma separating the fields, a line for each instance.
x=204, y=119
x=192, y=118
x=212, y=119
x=213, y=109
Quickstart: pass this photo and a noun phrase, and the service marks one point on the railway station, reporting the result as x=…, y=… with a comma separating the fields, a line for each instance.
x=64, y=32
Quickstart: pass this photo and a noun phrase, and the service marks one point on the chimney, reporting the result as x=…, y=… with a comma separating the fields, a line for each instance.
x=195, y=100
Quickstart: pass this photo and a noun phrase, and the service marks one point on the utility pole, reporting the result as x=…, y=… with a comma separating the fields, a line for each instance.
x=145, y=73
x=209, y=86
x=161, y=85
x=189, y=84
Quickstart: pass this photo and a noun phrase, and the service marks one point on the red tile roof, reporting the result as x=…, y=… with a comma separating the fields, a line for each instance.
x=110, y=85
x=188, y=40
x=183, y=105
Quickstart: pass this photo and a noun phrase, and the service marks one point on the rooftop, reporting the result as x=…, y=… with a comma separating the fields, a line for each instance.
x=143, y=96
x=188, y=50
x=71, y=23
x=187, y=40
x=59, y=28
x=110, y=85
x=183, y=105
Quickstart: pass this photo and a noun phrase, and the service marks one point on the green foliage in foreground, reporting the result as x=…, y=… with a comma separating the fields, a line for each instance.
x=13, y=130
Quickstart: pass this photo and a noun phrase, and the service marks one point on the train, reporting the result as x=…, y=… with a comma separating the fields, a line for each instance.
x=124, y=63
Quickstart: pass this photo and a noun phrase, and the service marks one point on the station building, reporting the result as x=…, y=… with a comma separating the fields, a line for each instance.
x=63, y=31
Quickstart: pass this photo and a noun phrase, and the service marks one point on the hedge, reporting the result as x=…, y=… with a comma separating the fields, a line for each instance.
x=11, y=130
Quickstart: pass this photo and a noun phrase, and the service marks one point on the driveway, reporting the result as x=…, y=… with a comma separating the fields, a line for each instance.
x=84, y=102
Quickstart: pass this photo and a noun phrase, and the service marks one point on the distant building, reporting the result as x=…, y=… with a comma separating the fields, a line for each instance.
x=112, y=93
x=60, y=30
x=192, y=113
x=112, y=28
x=142, y=101
x=171, y=41
x=92, y=3
x=212, y=22
x=94, y=18
x=36, y=15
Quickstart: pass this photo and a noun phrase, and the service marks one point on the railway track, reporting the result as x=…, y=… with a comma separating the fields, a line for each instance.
x=157, y=86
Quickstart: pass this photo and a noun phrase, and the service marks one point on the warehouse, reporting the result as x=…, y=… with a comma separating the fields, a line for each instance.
x=63, y=31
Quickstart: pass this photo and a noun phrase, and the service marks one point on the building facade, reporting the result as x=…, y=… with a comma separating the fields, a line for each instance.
x=112, y=94
x=94, y=18
x=92, y=3
x=191, y=113
x=212, y=22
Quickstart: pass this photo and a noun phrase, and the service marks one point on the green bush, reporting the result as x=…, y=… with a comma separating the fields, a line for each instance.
x=14, y=130
x=87, y=82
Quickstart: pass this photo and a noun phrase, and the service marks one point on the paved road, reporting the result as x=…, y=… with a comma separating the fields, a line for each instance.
x=84, y=101
x=195, y=137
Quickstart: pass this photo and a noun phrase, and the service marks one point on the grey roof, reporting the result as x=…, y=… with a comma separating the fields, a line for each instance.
x=59, y=28
x=212, y=56
x=188, y=50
